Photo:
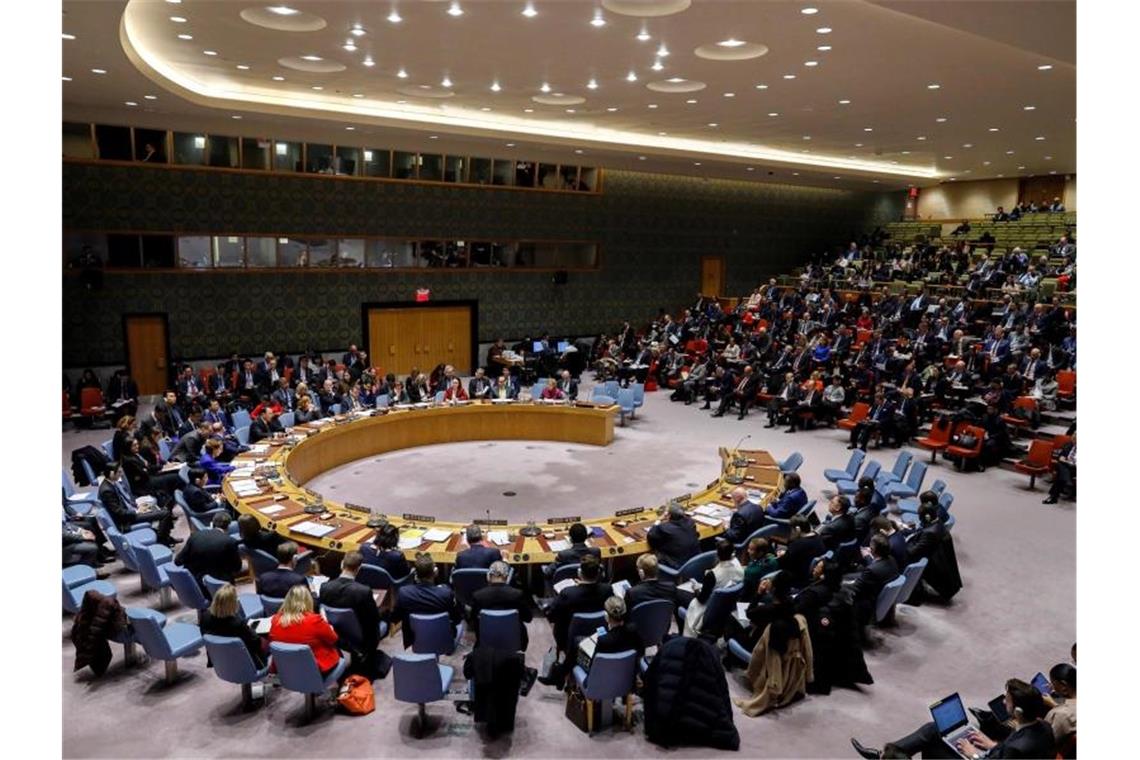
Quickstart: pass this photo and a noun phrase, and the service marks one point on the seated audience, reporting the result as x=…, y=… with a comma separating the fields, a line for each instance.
x=498, y=595
x=478, y=553
x=223, y=618
x=424, y=597
x=675, y=541
x=211, y=551
x=345, y=592
x=296, y=623
x=725, y=572
x=383, y=552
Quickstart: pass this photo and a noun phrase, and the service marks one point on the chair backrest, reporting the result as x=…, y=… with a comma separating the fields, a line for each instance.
x=416, y=679
x=938, y=486
x=123, y=548
x=913, y=574
x=721, y=604
x=242, y=434
x=916, y=476
x=872, y=469
x=888, y=597
x=855, y=462
x=536, y=390
x=297, y=667
x=188, y=590
x=164, y=450
x=432, y=634
x=792, y=463
x=376, y=577
x=625, y=399
x=287, y=419
x=564, y=572
x=846, y=552
x=612, y=387
x=945, y=499
x=149, y=571
x=940, y=434
x=270, y=604
x=859, y=411
x=582, y=624
x=438, y=398
x=345, y=624
x=261, y=560
x=762, y=532
x=240, y=419
x=902, y=461
x=500, y=629
x=89, y=472
x=90, y=398
x=807, y=509
x=466, y=581
x=148, y=633
x=1027, y=403
x=1066, y=381
x=696, y=566
x=230, y=658
x=638, y=393
x=68, y=485
x=611, y=675
x=1040, y=453
x=109, y=447
x=600, y=399
x=212, y=584
x=383, y=400
x=652, y=620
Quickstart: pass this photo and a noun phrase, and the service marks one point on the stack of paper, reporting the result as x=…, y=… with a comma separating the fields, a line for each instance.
x=620, y=588
x=741, y=613
x=498, y=537
x=437, y=534
x=712, y=522
x=259, y=448
x=558, y=544
x=716, y=511
x=314, y=529
x=411, y=539
x=564, y=583
x=245, y=487
x=272, y=509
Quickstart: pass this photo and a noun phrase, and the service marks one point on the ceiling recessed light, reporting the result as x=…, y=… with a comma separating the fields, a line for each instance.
x=868, y=129
x=858, y=145
x=731, y=42
x=941, y=119
x=1001, y=175
x=934, y=87
x=906, y=152
x=835, y=177
x=691, y=101
x=696, y=163
x=545, y=87
x=662, y=134
x=592, y=84
x=1039, y=137
x=185, y=36
x=598, y=19
x=528, y=110
x=209, y=52
x=795, y=174
x=751, y=168
x=529, y=11
x=985, y=163
x=1021, y=167
x=761, y=87
x=98, y=71
x=1009, y=152
x=675, y=80
x=1048, y=158
x=446, y=81
x=311, y=58
x=641, y=158
x=773, y=113
x=67, y=36
x=350, y=46
x=807, y=137
x=317, y=87
x=150, y=97
x=730, y=94
x=920, y=138
x=845, y=102
x=278, y=79
x=789, y=76
x=1029, y=108
x=235, y=116
x=454, y=10
x=823, y=30
x=282, y=10
x=350, y=129
x=401, y=102
x=948, y=157
x=394, y=17
x=811, y=63
x=510, y=145
x=1045, y=67
x=571, y=110
x=643, y=35
x=243, y=67
x=994, y=129
x=174, y=2
x=657, y=65
x=368, y=61
x=652, y=105
x=496, y=87
x=67, y=79
x=578, y=151
x=402, y=74
x=357, y=30
x=713, y=124
x=631, y=77
x=809, y=11
x=611, y=109
x=967, y=145
x=178, y=19
x=823, y=48
x=662, y=51
x=358, y=94
x=130, y=103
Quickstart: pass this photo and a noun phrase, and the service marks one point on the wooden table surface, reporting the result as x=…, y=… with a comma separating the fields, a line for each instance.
x=284, y=467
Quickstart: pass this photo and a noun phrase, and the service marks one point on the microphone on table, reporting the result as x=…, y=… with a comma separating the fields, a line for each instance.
x=737, y=460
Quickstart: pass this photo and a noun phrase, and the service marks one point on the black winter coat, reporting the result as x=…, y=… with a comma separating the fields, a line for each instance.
x=686, y=697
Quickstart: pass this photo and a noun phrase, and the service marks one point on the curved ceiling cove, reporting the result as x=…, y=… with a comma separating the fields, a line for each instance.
x=303, y=63
x=646, y=8
x=298, y=21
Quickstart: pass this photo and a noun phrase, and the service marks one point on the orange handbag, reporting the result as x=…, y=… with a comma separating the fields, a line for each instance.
x=356, y=696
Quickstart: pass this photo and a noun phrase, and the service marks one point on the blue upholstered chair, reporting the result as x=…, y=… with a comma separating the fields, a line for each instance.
x=239, y=419
x=432, y=634
x=610, y=676
x=851, y=471
x=902, y=462
x=638, y=395
x=911, y=487
x=696, y=566
x=249, y=605
x=847, y=552
x=500, y=629
x=466, y=581
x=850, y=487
x=233, y=664
x=761, y=532
x=652, y=620
x=420, y=679
x=242, y=434
x=383, y=400
x=347, y=626
x=583, y=624
x=186, y=588
x=913, y=574
x=109, y=448
x=377, y=578
x=564, y=572
x=164, y=449
x=260, y=561
x=152, y=562
x=625, y=403
x=287, y=420
x=77, y=581
x=270, y=604
x=720, y=606
x=167, y=642
x=297, y=671
x=792, y=463
x=79, y=501
x=888, y=597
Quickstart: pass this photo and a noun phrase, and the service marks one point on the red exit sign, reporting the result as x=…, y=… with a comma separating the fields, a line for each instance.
x=423, y=294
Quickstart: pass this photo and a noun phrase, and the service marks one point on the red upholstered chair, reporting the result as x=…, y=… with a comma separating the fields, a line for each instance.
x=1067, y=385
x=861, y=337
x=964, y=454
x=859, y=413
x=1029, y=404
x=91, y=405
x=1039, y=461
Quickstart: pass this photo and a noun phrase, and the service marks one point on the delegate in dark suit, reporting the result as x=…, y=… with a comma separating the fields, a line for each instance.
x=651, y=590
x=347, y=593
x=870, y=581
x=674, y=541
x=500, y=596
x=477, y=556
x=277, y=582
x=621, y=638
x=581, y=597
x=424, y=599
x=837, y=530
x=391, y=560
x=747, y=519
x=789, y=503
x=210, y=552
x=123, y=511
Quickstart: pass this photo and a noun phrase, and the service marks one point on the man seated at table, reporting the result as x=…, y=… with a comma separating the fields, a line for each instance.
x=117, y=499
x=568, y=385
x=504, y=389
x=424, y=597
x=676, y=540
x=211, y=551
x=345, y=592
x=478, y=553
x=791, y=501
x=575, y=552
x=198, y=499
x=265, y=426
x=480, y=386
x=589, y=594
x=654, y=586
x=748, y=517
x=499, y=595
x=276, y=583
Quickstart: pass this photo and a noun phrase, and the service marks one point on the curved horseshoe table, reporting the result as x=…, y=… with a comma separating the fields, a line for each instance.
x=276, y=496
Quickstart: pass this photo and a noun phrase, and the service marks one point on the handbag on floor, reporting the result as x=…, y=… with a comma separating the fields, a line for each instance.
x=576, y=709
x=356, y=696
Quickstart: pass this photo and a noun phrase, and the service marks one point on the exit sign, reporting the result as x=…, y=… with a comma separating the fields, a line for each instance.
x=423, y=294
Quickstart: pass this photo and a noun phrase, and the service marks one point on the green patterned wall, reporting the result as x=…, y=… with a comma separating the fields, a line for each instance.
x=652, y=230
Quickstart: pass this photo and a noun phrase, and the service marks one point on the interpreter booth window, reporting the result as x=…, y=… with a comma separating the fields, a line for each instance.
x=479, y=254
x=292, y=252
x=548, y=177
x=150, y=146
x=350, y=252
x=575, y=256
x=114, y=142
x=569, y=176
x=124, y=252
x=77, y=141
x=260, y=252
x=189, y=148
x=390, y=254
x=377, y=162
x=403, y=165
x=347, y=161
x=456, y=254
x=587, y=179
x=322, y=253
x=453, y=169
x=158, y=251
x=504, y=172
x=503, y=254
x=524, y=255
x=255, y=153
x=480, y=172
x=431, y=166
x=432, y=253
x=223, y=152
x=318, y=159
x=229, y=251
x=524, y=173
x=287, y=156
x=82, y=250
x=194, y=252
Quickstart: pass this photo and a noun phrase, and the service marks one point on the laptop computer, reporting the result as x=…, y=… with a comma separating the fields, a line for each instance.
x=563, y=345
x=950, y=718
x=537, y=346
x=1041, y=683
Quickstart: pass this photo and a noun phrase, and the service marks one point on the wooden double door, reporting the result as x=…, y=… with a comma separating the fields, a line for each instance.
x=402, y=337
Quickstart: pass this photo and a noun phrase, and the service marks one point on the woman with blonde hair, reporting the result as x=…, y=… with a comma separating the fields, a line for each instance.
x=223, y=618
x=296, y=623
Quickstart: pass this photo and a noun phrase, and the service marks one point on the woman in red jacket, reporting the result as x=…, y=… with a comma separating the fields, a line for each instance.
x=296, y=623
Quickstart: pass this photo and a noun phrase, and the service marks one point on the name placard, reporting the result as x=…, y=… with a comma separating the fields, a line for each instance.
x=418, y=518
x=486, y=521
x=627, y=512
x=684, y=497
x=563, y=520
x=357, y=508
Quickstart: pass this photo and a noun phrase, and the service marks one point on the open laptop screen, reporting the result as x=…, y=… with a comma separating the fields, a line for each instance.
x=949, y=714
x=537, y=347
x=563, y=345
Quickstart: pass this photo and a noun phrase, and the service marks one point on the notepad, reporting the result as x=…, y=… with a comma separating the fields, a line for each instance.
x=314, y=529
x=690, y=585
x=261, y=626
x=410, y=539
x=715, y=511
x=437, y=534
x=563, y=584
x=272, y=509
x=498, y=537
x=741, y=613
x=712, y=522
x=558, y=545
x=620, y=588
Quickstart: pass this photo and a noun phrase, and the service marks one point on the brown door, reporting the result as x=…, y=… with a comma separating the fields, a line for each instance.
x=712, y=275
x=146, y=351
x=400, y=338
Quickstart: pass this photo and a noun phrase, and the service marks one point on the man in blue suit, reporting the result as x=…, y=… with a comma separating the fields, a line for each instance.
x=478, y=554
x=791, y=501
x=424, y=597
x=747, y=518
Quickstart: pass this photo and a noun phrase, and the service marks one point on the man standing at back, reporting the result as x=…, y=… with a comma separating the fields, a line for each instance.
x=345, y=592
